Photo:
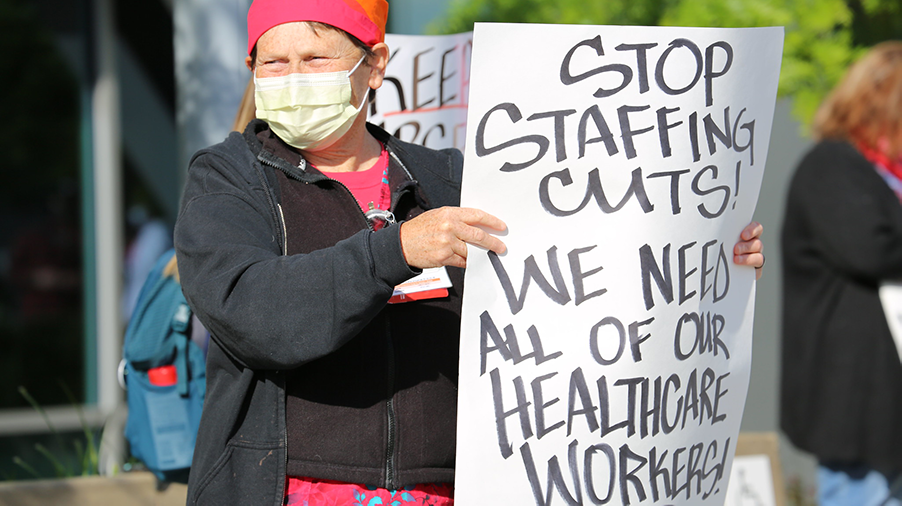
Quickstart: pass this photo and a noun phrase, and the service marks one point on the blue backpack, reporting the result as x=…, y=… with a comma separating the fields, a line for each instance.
x=164, y=373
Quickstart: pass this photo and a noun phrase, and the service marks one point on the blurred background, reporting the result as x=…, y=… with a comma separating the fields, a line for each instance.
x=106, y=100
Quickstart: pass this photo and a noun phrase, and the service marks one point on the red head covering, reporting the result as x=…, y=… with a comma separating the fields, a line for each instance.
x=364, y=19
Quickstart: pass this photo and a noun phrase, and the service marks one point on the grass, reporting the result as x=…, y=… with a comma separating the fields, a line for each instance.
x=86, y=448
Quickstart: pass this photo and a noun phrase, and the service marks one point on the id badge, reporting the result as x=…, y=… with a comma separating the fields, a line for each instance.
x=430, y=284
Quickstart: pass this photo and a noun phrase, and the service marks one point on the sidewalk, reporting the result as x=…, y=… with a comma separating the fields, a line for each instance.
x=138, y=488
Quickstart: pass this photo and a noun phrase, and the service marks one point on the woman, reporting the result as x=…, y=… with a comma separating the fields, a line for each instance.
x=842, y=379
x=318, y=390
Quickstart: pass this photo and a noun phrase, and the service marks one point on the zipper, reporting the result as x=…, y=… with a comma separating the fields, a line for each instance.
x=283, y=483
x=325, y=178
x=277, y=213
x=400, y=163
x=276, y=209
x=354, y=200
x=284, y=231
x=390, y=463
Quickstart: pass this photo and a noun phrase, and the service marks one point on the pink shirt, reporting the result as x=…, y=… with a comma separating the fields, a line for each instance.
x=313, y=492
x=370, y=185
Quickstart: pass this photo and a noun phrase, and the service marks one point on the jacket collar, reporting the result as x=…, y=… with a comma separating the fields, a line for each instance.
x=274, y=152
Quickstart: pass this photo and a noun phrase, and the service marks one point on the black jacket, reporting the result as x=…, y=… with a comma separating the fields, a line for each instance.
x=293, y=320
x=842, y=380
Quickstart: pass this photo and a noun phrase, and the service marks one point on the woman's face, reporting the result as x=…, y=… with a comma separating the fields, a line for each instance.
x=295, y=48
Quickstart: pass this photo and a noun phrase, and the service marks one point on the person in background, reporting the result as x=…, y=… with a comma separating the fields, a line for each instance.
x=290, y=239
x=148, y=238
x=841, y=387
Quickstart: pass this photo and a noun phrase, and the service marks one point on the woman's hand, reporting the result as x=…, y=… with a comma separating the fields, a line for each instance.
x=750, y=250
x=440, y=236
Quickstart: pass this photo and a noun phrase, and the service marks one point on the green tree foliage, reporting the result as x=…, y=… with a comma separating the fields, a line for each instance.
x=822, y=36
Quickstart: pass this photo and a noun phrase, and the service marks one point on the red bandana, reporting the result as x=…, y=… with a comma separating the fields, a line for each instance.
x=364, y=19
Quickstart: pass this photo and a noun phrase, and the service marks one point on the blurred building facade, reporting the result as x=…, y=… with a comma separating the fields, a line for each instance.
x=92, y=132
x=112, y=99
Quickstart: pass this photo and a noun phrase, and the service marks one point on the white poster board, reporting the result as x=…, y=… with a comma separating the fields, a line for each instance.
x=605, y=357
x=891, y=299
x=423, y=99
x=750, y=482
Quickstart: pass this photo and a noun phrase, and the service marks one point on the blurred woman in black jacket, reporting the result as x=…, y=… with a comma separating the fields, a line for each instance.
x=842, y=378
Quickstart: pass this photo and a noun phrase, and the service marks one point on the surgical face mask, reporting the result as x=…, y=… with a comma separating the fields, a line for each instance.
x=308, y=111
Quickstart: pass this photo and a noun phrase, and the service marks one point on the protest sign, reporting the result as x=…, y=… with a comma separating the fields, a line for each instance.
x=750, y=482
x=424, y=97
x=891, y=299
x=605, y=356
